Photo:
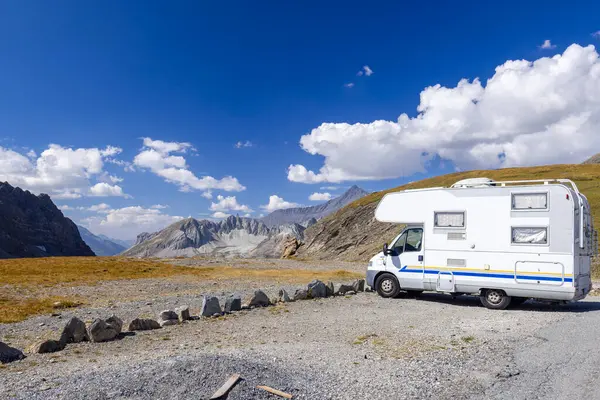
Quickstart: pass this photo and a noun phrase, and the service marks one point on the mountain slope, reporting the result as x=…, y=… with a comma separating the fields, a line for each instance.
x=124, y=243
x=32, y=226
x=233, y=236
x=353, y=234
x=307, y=215
x=595, y=159
x=100, y=246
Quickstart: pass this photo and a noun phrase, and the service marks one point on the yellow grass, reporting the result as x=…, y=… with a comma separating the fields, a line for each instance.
x=25, y=272
x=15, y=309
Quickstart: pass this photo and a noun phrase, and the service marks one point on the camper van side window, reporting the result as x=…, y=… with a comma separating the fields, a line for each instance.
x=449, y=219
x=530, y=201
x=529, y=235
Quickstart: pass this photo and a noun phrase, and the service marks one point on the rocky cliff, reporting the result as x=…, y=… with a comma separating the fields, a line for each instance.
x=98, y=244
x=32, y=226
x=233, y=236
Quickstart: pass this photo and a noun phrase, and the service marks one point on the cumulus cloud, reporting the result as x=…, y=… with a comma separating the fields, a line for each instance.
x=156, y=157
x=349, y=85
x=527, y=113
x=126, y=223
x=320, y=196
x=159, y=206
x=220, y=214
x=207, y=195
x=102, y=207
x=62, y=172
x=365, y=71
x=547, y=45
x=104, y=189
x=277, y=203
x=228, y=204
x=247, y=143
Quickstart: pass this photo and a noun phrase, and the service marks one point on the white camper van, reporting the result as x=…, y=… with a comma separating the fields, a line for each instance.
x=506, y=241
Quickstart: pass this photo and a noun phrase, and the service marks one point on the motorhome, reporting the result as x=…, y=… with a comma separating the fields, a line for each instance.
x=504, y=241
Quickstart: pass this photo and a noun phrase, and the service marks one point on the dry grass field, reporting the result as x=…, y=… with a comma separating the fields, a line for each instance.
x=25, y=281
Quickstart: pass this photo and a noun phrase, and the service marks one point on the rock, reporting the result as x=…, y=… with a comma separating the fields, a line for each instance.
x=283, y=296
x=105, y=330
x=210, y=306
x=9, y=354
x=342, y=289
x=274, y=300
x=233, y=303
x=45, y=346
x=259, y=299
x=216, y=315
x=359, y=285
x=168, y=317
x=74, y=331
x=183, y=313
x=317, y=289
x=141, y=324
x=330, y=289
x=290, y=247
x=301, y=294
x=168, y=322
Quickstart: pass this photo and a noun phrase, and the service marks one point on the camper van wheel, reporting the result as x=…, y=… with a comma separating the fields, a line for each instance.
x=495, y=299
x=387, y=285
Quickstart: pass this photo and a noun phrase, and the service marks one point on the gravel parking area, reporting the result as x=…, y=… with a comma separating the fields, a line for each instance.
x=347, y=347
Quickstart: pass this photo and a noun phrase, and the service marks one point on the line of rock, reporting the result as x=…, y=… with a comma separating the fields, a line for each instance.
x=100, y=330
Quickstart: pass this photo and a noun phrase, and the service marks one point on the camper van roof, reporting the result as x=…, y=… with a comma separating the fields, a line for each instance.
x=474, y=182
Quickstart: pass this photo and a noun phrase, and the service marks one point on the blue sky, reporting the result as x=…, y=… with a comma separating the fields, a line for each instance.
x=87, y=75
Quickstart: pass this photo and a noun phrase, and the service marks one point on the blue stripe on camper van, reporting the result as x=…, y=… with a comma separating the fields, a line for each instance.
x=488, y=275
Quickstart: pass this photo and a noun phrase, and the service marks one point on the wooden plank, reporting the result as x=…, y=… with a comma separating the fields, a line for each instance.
x=227, y=386
x=276, y=392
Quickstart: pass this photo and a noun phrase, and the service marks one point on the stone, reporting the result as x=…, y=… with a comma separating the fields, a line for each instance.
x=290, y=247
x=342, y=289
x=359, y=285
x=317, y=289
x=142, y=324
x=9, y=354
x=183, y=313
x=210, y=306
x=301, y=294
x=283, y=296
x=216, y=315
x=233, y=303
x=45, y=346
x=330, y=289
x=259, y=299
x=167, y=315
x=168, y=322
x=274, y=300
x=105, y=330
x=74, y=331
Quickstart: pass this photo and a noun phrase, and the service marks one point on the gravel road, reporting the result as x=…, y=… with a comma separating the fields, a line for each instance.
x=350, y=347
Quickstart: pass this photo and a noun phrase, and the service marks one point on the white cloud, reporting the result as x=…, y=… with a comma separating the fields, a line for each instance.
x=277, y=203
x=207, y=195
x=547, y=45
x=65, y=207
x=104, y=189
x=63, y=173
x=156, y=157
x=365, y=70
x=220, y=214
x=349, y=85
x=159, y=206
x=127, y=222
x=31, y=154
x=320, y=196
x=127, y=166
x=528, y=113
x=101, y=208
x=228, y=204
x=596, y=34
x=247, y=143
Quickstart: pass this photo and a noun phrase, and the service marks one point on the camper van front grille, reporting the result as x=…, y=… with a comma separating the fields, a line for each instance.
x=457, y=236
x=456, y=262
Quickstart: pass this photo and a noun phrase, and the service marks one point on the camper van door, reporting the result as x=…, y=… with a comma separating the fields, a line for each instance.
x=406, y=257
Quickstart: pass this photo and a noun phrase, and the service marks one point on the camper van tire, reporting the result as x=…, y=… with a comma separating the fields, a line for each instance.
x=387, y=285
x=495, y=299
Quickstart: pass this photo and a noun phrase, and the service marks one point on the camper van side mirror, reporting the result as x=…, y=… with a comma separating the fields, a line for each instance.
x=386, y=250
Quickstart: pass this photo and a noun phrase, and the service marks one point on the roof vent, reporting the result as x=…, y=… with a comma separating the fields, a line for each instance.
x=474, y=182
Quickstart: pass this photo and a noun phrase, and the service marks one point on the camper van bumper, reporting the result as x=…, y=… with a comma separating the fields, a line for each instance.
x=371, y=277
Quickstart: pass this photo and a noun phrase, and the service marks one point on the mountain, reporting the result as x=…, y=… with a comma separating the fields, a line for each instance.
x=595, y=159
x=353, y=234
x=32, y=226
x=99, y=245
x=125, y=243
x=233, y=236
x=309, y=215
